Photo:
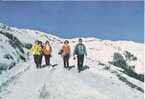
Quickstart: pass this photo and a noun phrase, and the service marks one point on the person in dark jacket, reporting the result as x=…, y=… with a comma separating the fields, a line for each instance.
x=80, y=51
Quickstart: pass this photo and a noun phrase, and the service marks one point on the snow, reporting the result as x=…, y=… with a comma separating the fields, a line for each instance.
x=6, y=49
x=24, y=81
x=58, y=83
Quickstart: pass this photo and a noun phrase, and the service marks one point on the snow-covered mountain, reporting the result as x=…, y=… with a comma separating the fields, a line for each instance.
x=113, y=69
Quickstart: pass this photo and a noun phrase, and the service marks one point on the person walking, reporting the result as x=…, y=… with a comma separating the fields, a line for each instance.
x=80, y=51
x=47, y=50
x=41, y=55
x=65, y=52
x=37, y=51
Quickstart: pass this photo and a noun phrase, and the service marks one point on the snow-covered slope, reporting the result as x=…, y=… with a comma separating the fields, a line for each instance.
x=99, y=80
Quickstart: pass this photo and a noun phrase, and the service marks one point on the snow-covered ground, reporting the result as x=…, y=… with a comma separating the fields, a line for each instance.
x=24, y=81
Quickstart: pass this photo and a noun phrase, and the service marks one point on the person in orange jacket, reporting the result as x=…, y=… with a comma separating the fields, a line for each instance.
x=65, y=52
x=47, y=50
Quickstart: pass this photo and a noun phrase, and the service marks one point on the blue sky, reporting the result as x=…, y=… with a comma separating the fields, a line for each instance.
x=104, y=20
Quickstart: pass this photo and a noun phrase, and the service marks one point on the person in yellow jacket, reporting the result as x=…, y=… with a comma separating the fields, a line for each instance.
x=47, y=50
x=37, y=52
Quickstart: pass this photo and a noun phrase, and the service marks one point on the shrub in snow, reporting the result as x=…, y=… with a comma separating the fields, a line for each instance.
x=28, y=46
x=129, y=56
x=17, y=53
x=14, y=42
x=6, y=66
x=22, y=58
x=8, y=56
x=118, y=60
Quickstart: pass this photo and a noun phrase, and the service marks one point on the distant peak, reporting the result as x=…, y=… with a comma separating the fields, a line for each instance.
x=4, y=26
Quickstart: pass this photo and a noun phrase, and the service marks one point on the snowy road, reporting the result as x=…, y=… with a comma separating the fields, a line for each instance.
x=58, y=83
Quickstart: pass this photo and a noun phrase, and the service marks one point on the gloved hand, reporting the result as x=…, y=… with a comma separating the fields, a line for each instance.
x=74, y=57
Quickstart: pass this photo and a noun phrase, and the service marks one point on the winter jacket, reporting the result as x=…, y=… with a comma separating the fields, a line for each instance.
x=80, y=49
x=47, y=50
x=65, y=49
x=36, y=49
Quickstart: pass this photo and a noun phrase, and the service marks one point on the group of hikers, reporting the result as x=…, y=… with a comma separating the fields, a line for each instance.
x=39, y=50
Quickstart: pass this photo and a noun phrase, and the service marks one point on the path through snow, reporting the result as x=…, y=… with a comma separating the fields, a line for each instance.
x=59, y=83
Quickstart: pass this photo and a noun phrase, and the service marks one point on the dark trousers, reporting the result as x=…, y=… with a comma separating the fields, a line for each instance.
x=41, y=56
x=66, y=60
x=80, y=59
x=37, y=60
x=47, y=59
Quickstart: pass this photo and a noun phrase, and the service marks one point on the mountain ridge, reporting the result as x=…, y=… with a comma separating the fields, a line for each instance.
x=74, y=38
